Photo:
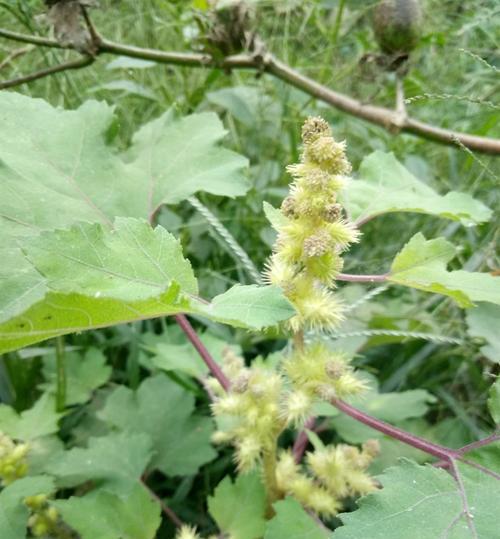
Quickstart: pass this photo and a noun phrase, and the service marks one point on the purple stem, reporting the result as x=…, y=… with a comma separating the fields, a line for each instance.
x=436, y=450
x=201, y=349
x=164, y=507
x=470, y=447
x=302, y=440
x=362, y=278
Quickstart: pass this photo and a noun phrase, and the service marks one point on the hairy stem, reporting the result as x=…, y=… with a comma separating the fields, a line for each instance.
x=191, y=334
x=431, y=448
x=269, y=462
x=302, y=440
x=60, y=375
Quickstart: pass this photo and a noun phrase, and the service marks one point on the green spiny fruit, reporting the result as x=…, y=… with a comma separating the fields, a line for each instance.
x=397, y=25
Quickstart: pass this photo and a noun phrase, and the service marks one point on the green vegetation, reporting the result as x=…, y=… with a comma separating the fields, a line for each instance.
x=200, y=339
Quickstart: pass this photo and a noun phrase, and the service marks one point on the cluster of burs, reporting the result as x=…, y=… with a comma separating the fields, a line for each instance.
x=263, y=402
x=44, y=519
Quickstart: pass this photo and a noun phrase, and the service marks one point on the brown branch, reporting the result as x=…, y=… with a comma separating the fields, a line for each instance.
x=384, y=117
x=84, y=61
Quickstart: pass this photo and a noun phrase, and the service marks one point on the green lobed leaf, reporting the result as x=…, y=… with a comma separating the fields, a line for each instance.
x=106, y=515
x=482, y=322
x=291, y=521
x=164, y=411
x=40, y=420
x=239, y=508
x=426, y=502
x=117, y=460
x=97, y=277
x=13, y=513
x=84, y=373
x=422, y=264
x=386, y=186
x=178, y=157
x=57, y=169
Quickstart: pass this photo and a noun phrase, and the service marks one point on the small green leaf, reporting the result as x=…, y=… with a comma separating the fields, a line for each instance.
x=239, y=508
x=105, y=515
x=118, y=460
x=40, y=420
x=385, y=186
x=13, y=513
x=84, y=373
x=422, y=264
x=494, y=401
x=483, y=323
x=291, y=521
x=274, y=216
x=250, y=306
x=426, y=502
x=163, y=410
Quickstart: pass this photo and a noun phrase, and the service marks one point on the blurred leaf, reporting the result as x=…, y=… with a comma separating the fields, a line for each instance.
x=494, y=401
x=13, y=513
x=164, y=411
x=385, y=186
x=426, y=502
x=104, y=515
x=40, y=420
x=125, y=62
x=482, y=322
x=422, y=264
x=239, y=508
x=291, y=521
x=84, y=373
x=117, y=460
x=127, y=87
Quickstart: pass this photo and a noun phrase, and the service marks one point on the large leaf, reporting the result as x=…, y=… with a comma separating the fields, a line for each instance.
x=194, y=163
x=422, y=264
x=105, y=515
x=98, y=277
x=40, y=420
x=494, y=401
x=239, y=508
x=163, y=410
x=291, y=521
x=13, y=512
x=57, y=169
x=385, y=186
x=426, y=502
x=117, y=460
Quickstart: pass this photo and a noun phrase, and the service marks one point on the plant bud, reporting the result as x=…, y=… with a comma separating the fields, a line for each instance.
x=313, y=128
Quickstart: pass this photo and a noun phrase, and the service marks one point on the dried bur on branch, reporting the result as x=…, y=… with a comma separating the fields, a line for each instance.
x=262, y=403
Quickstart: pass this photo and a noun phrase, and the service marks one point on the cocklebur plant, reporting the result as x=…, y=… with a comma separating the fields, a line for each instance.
x=262, y=404
x=13, y=464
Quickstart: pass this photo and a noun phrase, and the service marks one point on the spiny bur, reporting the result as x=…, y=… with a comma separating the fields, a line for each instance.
x=13, y=463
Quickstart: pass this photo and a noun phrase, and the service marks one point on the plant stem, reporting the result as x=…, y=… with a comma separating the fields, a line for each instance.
x=338, y=21
x=436, y=450
x=60, y=375
x=202, y=350
x=302, y=440
x=269, y=469
x=362, y=278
